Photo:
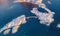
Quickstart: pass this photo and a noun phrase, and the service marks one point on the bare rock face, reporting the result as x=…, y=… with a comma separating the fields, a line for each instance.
x=28, y=5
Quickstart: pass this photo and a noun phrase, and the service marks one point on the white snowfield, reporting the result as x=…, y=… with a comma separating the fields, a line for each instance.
x=14, y=24
x=45, y=18
x=58, y=26
x=30, y=1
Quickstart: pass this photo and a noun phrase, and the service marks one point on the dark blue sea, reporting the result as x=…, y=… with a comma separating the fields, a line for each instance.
x=32, y=27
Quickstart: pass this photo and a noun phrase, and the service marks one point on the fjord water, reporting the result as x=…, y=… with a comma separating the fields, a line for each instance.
x=32, y=27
